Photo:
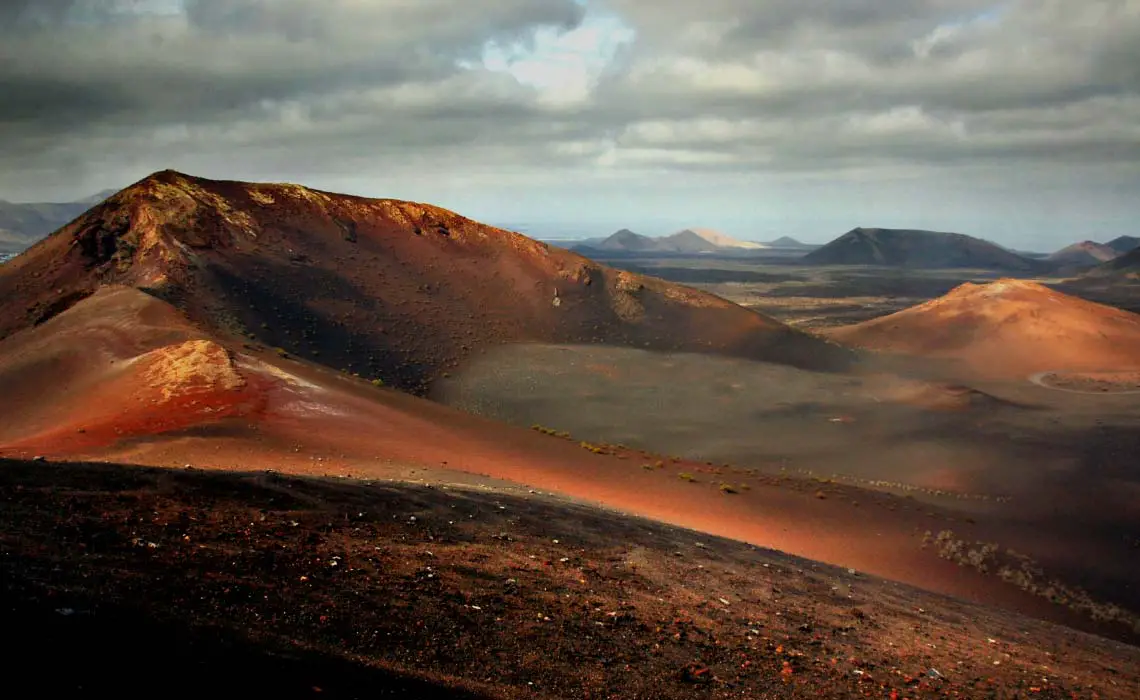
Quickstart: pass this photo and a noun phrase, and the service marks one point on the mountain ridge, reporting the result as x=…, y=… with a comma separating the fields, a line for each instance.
x=917, y=248
x=389, y=288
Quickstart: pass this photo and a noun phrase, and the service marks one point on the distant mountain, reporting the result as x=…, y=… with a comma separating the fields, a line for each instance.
x=1122, y=267
x=719, y=239
x=690, y=240
x=789, y=242
x=626, y=240
x=918, y=249
x=22, y=224
x=1124, y=244
x=1083, y=254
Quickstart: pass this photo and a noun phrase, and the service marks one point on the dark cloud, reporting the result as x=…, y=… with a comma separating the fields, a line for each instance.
x=367, y=88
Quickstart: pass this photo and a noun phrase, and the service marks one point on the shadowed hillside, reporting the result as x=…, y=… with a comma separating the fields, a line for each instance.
x=917, y=249
x=383, y=288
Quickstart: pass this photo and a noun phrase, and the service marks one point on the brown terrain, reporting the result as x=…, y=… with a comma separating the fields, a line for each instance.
x=271, y=585
x=1007, y=328
x=1083, y=254
x=240, y=327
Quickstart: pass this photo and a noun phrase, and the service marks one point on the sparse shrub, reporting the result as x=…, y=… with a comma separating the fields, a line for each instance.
x=377, y=382
x=281, y=352
x=1021, y=571
x=647, y=467
x=821, y=495
x=686, y=476
x=728, y=488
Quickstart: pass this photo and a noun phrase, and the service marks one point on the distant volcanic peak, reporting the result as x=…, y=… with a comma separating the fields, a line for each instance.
x=786, y=242
x=628, y=240
x=1124, y=244
x=917, y=249
x=1085, y=252
x=719, y=239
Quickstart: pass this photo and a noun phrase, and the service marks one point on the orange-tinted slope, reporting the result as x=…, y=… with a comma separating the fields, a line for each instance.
x=386, y=288
x=1007, y=328
x=122, y=375
x=117, y=365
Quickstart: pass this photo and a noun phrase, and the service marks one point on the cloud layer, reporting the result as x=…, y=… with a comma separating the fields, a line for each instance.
x=458, y=100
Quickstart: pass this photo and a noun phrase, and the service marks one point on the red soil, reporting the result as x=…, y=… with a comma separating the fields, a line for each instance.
x=1007, y=328
x=253, y=410
x=399, y=290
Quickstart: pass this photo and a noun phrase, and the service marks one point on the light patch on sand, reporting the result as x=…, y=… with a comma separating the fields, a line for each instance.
x=197, y=195
x=263, y=198
x=278, y=373
x=304, y=193
x=311, y=408
x=195, y=366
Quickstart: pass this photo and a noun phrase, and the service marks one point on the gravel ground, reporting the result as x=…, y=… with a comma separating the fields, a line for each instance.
x=183, y=582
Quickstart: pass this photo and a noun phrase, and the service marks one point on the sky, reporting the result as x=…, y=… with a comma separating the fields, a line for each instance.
x=1016, y=121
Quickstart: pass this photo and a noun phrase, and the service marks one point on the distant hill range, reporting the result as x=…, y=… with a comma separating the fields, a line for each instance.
x=1084, y=254
x=690, y=240
x=22, y=224
x=918, y=249
x=1124, y=244
x=1120, y=255
x=1123, y=267
x=789, y=243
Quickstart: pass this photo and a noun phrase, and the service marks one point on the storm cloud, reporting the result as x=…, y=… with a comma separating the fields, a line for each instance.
x=474, y=103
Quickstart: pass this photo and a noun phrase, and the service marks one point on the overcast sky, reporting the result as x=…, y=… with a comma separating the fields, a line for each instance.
x=1016, y=121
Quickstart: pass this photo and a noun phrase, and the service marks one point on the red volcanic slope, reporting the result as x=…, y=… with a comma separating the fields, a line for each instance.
x=124, y=375
x=1008, y=327
x=385, y=288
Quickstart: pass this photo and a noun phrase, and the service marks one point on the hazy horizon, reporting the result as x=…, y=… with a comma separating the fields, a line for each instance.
x=1016, y=121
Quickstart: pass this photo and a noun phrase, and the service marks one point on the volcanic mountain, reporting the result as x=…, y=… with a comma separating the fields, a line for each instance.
x=1083, y=254
x=1008, y=328
x=1123, y=267
x=626, y=240
x=1124, y=244
x=697, y=240
x=383, y=288
x=720, y=240
x=917, y=249
x=789, y=242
